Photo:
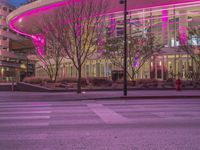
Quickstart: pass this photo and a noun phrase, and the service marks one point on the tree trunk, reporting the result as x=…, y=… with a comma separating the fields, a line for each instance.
x=51, y=77
x=56, y=74
x=79, y=80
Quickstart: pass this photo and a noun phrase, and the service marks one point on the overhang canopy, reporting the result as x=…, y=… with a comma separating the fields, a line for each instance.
x=22, y=20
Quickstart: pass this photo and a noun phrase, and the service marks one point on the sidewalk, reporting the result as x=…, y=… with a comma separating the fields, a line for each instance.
x=98, y=95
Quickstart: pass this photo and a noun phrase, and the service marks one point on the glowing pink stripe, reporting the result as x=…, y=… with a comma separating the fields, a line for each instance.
x=178, y=6
x=165, y=26
x=183, y=35
x=52, y=6
x=59, y=4
x=38, y=40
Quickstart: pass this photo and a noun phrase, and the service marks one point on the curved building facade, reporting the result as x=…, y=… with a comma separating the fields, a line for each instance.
x=167, y=20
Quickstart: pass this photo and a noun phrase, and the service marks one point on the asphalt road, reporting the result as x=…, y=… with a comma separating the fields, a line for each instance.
x=100, y=125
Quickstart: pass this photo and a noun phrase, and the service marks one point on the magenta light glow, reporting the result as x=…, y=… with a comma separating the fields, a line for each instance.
x=39, y=39
x=183, y=35
x=165, y=25
x=39, y=42
x=112, y=24
x=59, y=4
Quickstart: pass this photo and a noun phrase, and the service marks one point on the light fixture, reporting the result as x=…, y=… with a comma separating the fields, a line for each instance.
x=20, y=20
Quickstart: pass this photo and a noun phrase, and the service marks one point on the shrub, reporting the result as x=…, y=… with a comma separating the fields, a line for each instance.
x=37, y=80
x=131, y=83
x=147, y=82
x=67, y=80
x=170, y=80
x=73, y=80
x=100, y=82
x=33, y=80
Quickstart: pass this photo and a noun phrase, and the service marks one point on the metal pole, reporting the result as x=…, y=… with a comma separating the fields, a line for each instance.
x=12, y=86
x=125, y=48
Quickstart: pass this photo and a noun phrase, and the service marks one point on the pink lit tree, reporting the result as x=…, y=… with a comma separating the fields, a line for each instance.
x=50, y=56
x=77, y=27
x=140, y=48
x=190, y=43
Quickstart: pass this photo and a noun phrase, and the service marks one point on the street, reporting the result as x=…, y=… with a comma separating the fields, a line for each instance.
x=169, y=124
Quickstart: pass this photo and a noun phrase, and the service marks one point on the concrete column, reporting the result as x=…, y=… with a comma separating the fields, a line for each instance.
x=174, y=72
x=162, y=67
x=186, y=68
x=167, y=67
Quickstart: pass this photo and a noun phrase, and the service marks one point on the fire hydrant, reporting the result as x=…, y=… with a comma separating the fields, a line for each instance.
x=178, y=84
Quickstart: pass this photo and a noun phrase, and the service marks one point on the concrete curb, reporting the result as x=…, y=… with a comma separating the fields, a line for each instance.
x=162, y=97
x=112, y=98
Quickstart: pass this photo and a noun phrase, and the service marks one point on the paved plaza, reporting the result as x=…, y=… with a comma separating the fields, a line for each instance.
x=133, y=124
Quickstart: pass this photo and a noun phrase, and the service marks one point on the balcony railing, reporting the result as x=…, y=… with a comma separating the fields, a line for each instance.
x=3, y=13
x=4, y=43
x=8, y=54
x=3, y=22
x=11, y=35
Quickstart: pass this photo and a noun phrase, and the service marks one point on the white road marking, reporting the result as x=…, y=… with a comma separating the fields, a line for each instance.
x=24, y=117
x=23, y=105
x=107, y=115
x=24, y=112
x=27, y=124
x=23, y=137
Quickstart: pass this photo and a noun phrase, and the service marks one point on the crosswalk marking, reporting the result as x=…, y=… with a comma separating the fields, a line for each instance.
x=107, y=115
x=24, y=117
x=24, y=137
x=22, y=124
x=24, y=112
x=23, y=105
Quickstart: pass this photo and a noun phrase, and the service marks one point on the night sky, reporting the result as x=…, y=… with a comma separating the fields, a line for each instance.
x=17, y=2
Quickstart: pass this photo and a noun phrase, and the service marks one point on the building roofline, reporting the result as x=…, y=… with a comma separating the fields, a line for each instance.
x=41, y=5
x=29, y=7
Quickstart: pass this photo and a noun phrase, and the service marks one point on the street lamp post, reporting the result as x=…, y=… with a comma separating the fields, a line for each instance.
x=124, y=2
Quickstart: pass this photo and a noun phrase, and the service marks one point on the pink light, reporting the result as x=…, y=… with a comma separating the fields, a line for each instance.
x=39, y=42
x=165, y=25
x=183, y=34
x=79, y=31
x=60, y=4
x=112, y=24
x=52, y=6
x=20, y=20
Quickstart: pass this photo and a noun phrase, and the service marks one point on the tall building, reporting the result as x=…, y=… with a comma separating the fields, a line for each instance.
x=167, y=18
x=11, y=64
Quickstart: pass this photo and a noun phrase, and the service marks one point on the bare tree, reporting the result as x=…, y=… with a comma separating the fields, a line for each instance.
x=78, y=26
x=190, y=43
x=140, y=48
x=50, y=60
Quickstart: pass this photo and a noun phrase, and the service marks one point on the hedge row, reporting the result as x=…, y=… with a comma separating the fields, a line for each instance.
x=84, y=81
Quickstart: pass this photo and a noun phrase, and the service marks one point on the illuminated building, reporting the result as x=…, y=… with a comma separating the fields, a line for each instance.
x=13, y=63
x=9, y=61
x=166, y=18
